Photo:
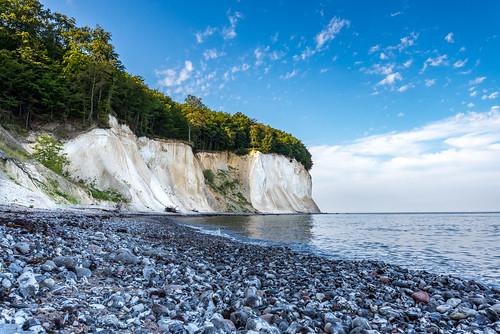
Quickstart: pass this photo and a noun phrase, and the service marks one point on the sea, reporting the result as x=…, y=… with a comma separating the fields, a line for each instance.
x=466, y=245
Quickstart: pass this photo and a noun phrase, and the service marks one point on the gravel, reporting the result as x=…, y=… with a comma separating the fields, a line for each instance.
x=63, y=272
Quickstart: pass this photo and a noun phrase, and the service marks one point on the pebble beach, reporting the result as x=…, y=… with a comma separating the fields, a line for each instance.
x=67, y=272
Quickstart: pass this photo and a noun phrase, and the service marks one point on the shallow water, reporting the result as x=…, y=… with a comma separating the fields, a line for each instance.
x=465, y=245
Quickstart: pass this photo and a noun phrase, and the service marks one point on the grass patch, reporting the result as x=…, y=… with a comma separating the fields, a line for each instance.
x=209, y=176
x=105, y=195
x=53, y=190
x=222, y=182
x=228, y=186
x=14, y=153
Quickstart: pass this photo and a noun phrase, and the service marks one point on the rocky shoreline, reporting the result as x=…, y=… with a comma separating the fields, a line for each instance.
x=67, y=272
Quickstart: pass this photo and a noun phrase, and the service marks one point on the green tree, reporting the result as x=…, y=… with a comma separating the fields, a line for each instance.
x=48, y=151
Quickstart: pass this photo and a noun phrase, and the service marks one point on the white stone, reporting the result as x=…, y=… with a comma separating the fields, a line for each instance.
x=28, y=286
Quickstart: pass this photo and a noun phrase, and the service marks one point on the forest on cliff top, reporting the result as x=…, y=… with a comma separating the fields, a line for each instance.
x=52, y=70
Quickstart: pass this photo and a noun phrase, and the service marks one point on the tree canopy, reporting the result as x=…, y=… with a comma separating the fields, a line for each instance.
x=53, y=70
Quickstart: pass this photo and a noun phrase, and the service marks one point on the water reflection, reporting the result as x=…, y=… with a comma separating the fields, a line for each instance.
x=288, y=229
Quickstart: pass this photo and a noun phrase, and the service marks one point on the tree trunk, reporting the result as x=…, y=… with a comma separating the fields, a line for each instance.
x=99, y=99
x=136, y=122
x=83, y=108
x=92, y=97
x=110, y=94
x=26, y=123
x=98, y=105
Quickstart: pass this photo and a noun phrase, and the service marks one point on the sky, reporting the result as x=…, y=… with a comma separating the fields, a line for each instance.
x=398, y=101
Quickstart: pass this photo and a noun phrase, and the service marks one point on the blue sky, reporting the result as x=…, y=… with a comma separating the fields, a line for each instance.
x=392, y=97
x=270, y=60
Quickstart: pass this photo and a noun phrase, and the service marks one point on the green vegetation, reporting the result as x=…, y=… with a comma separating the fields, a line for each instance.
x=53, y=189
x=52, y=70
x=13, y=152
x=209, y=176
x=48, y=151
x=105, y=195
x=226, y=184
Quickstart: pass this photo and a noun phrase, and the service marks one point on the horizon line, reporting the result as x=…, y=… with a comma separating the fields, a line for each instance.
x=409, y=212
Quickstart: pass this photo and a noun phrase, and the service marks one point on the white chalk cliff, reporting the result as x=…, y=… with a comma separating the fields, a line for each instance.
x=153, y=174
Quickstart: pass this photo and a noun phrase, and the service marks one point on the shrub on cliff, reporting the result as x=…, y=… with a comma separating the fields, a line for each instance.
x=48, y=151
x=209, y=176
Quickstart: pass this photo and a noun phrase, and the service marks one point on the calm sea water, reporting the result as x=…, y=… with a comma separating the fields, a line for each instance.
x=466, y=245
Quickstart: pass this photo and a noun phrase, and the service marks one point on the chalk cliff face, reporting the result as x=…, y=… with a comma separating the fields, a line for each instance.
x=279, y=184
x=270, y=183
x=152, y=175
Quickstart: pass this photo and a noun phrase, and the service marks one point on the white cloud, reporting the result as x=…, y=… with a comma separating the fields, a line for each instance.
x=229, y=32
x=430, y=82
x=275, y=37
x=401, y=114
x=450, y=165
x=289, y=75
x=242, y=68
x=404, y=88
x=449, y=37
x=390, y=79
x=477, y=81
x=470, y=105
x=263, y=53
x=330, y=31
x=408, y=63
x=383, y=56
x=408, y=40
x=395, y=14
x=188, y=80
x=374, y=49
x=275, y=55
x=404, y=43
x=435, y=62
x=389, y=51
x=202, y=35
x=490, y=96
x=259, y=53
x=380, y=69
x=460, y=63
x=170, y=77
x=212, y=54
x=306, y=53
x=185, y=72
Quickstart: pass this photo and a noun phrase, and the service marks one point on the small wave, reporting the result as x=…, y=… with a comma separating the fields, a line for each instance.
x=215, y=232
x=218, y=232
